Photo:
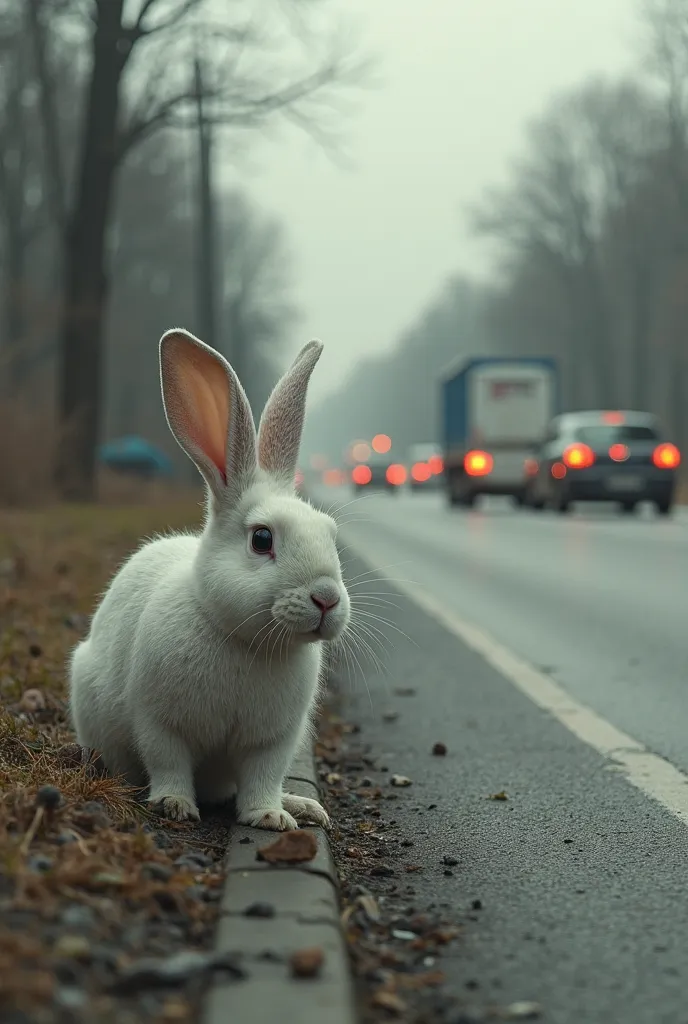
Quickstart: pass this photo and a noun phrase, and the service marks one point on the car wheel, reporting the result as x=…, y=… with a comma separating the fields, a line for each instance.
x=664, y=508
x=537, y=505
x=561, y=503
x=628, y=507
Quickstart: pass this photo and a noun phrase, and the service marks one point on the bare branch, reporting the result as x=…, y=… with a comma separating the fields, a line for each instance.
x=174, y=19
x=55, y=175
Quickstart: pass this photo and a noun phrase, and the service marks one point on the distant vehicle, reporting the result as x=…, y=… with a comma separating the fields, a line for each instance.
x=495, y=411
x=603, y=456
x=425, y=467
x=378, y=472
x=135, y=456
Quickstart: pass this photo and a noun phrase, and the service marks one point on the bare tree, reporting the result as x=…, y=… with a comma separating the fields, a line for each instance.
x=258, y=312
x=587, y=155
x=140, y=80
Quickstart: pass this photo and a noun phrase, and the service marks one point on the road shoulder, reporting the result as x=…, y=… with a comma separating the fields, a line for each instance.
x=271, y=912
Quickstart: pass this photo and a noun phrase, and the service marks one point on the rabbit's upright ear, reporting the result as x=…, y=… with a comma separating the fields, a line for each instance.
x=279, y=433
x=207, y=410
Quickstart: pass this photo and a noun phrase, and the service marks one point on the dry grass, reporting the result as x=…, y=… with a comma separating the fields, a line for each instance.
x=53, y=564
x=27, y=432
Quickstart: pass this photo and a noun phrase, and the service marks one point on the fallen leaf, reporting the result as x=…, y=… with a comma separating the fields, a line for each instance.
x=385, y=1000
x=307, y=963
x=429, y=979
x=293, y=847
x=498, y=796
x=522, y=1011
x=369, y=906
x=32, y=701
x=400, y=780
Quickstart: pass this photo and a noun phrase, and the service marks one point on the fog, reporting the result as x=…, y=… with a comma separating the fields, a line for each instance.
x=410, y=183
x=458, y=82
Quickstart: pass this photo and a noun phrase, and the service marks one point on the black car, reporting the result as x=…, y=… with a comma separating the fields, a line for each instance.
x=378, y=473
x=603, y=456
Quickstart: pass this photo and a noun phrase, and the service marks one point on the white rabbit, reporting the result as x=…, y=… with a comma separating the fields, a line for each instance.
x=200, y=672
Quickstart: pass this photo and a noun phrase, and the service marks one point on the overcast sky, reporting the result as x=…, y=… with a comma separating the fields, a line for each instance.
x=460, y=79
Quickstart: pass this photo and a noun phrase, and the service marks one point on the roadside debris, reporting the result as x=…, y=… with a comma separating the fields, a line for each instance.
x=439, y=750
x=498, y=796
x=264, y=910
x=522, y=1011
x=390, y=716
x=405, y=691
x=307, y=963
x=400, y=780
x=295, y=847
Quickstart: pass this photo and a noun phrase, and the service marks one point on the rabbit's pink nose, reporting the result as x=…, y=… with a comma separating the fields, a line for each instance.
x=324, y=603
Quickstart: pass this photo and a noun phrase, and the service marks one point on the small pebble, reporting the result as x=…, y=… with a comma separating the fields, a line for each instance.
x=195, y=860
x=381, y=871
x=65, y=838
x=451, y=862
x=40, y=863
x=406, y=936
x=260, y=910
x=68, y=997
x=35, y=650
x=157, y=872
x=439, y=750
x=400, y=780
x=307, y=963
x=49, y=797
x=477, y=904
x=32, y=701
x=73, y=947
x=78, y=916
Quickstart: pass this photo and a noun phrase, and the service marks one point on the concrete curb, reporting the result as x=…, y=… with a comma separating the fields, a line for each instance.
x=304, y=898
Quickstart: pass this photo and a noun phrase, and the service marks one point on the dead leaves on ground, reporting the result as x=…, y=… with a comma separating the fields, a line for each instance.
x=294, y=847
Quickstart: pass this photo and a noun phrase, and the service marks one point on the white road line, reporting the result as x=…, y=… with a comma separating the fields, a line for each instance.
x=648, y=772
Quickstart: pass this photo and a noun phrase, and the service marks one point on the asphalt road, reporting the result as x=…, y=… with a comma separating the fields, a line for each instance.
x=581, y=876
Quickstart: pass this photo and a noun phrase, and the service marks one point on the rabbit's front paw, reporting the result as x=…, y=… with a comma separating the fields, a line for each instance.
x=272, y=820
x=178, y=808
x=305, y=809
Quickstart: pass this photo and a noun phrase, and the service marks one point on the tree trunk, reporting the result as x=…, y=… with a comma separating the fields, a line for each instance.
x=12, y=358
x=81, y=338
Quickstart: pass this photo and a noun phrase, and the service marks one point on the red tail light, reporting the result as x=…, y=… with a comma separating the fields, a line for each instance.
x=420, y=472
x=531, y=467
x=666, y=456
x=396, y=474
x=558, y=470
x=477, y=463
x=362, y=475
x=578, y=456
x=436, y=464
x=619, y=452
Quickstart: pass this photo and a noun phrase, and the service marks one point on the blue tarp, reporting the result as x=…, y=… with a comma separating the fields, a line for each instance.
x=131, y=452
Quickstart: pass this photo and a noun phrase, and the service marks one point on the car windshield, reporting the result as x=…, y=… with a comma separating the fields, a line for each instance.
x=604, y=435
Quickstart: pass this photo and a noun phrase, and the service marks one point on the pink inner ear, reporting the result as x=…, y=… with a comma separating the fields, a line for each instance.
x=204, y=400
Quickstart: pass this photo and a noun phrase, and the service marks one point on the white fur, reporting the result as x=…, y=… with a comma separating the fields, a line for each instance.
x=200, y=672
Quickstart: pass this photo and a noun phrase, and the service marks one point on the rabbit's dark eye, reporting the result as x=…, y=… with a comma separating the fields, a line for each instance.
x=261, y=541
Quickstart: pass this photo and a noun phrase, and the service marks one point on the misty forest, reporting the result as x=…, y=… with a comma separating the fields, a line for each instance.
x=113, y=227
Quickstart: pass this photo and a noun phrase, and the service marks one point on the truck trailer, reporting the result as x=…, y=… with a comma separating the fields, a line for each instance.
x=495, y=411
